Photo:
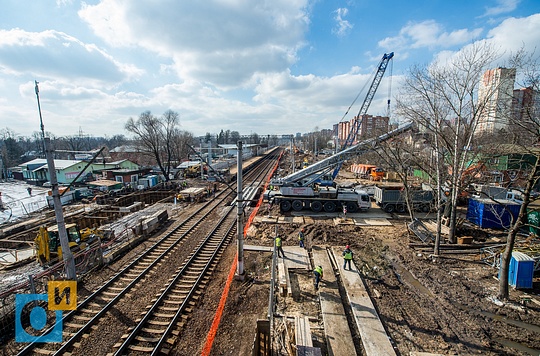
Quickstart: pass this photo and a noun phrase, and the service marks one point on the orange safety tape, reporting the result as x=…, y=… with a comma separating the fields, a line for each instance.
x=219, y=312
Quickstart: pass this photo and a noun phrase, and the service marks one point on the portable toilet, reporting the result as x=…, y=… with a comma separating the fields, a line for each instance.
x=520, y=271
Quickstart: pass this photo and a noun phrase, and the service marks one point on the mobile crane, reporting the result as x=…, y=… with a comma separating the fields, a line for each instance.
x=300, y=190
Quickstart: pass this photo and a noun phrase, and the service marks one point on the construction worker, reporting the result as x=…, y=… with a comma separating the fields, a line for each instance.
x=347, y=257
x=279, y=248
x=301, y=238
x=318, y=275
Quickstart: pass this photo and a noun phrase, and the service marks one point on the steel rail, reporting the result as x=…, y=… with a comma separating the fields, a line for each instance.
x=159, y=244
x=196, y=257
x=132, y=265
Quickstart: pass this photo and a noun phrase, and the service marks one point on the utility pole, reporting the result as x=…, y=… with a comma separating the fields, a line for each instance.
x=69, y=262
x=240, y=217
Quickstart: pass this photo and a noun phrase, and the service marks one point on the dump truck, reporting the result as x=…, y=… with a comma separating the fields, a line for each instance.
x=392, y=199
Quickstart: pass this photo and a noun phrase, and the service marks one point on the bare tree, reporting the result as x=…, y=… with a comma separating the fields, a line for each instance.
x=527, y=122
x=442, y=100
x=157, y=137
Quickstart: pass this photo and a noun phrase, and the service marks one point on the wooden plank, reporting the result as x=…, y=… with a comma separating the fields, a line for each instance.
x=303, y=332
x=339, y=339
x=282, y=276
x=372, y=333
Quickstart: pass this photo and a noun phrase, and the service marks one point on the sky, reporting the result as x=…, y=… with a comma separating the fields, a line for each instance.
x=268, y=67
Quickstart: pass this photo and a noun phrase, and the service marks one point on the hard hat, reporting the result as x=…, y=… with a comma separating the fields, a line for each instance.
x=319, y=266
x=347, y=246
x=303, y=229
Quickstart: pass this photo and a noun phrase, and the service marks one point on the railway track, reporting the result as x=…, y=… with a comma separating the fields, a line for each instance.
x=178, y=293
x=161, y=318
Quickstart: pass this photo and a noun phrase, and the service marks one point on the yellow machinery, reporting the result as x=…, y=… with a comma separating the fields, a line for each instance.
x=195, y=170
x=49, y=249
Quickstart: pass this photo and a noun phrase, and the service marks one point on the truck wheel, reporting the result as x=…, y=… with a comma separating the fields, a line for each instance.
x=401, y=208
x=425, y=208
x=352, y=207
x=329, y=207
x=316, y=206
x=390, y=208
x=297, y=205
x=285, y=205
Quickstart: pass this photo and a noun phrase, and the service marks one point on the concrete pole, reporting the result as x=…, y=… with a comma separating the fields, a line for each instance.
x=62, y=233
x=209, y=158
x=292, y=156
x=240, y=217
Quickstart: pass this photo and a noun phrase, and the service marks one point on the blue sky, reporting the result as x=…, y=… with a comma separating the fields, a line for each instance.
x=270, y=67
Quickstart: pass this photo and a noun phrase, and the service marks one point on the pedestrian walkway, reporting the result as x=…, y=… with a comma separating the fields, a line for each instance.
x=339, y=340
x=374, y=337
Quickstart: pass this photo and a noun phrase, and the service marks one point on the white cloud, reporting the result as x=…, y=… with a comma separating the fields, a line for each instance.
x=52, y=54
x=247, y=37
x=428, y=34
x=511, y=35
x=342, y=27
x=514, y=33
x=503, y=6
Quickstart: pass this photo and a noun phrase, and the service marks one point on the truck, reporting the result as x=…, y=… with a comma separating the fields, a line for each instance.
x=318, y=199
x=304, y=189
x=496, y=193
x=392, y=199
x=368, y=171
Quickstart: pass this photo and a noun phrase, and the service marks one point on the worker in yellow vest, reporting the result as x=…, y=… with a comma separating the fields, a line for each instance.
x=318, y=275
x=347, y=257
x=279, y=248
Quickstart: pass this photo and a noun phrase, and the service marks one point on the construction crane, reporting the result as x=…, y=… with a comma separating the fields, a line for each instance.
x=299, y=190
x=381, y=68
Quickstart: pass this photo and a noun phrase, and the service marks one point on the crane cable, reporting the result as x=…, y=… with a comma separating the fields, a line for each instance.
x=358, y=95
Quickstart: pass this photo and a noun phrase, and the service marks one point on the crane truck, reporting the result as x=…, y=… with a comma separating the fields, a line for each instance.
x=300, y=190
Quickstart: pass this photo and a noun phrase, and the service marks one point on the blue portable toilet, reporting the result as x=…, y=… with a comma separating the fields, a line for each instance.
x=520, y=271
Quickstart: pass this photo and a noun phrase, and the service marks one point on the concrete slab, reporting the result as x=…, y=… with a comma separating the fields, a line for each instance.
x=339, y=340
x=258, y=248
x=298, y=220
x=296, y=257
x=341, y=221
x=266, y=219
x=285, y=220
x=372, y=222
x=372, y=332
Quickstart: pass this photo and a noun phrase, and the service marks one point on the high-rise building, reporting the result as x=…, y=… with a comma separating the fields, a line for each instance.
x=495, y=95
x=370, y=126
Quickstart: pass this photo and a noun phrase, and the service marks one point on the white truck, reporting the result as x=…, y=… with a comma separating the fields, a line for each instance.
x=328, y=199
x=303, y=190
